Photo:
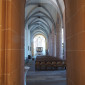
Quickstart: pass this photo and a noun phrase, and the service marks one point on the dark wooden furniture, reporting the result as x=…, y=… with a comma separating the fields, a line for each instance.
x=49, y=63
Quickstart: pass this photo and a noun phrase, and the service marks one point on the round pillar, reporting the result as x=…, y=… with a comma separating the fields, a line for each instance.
x=59, y=43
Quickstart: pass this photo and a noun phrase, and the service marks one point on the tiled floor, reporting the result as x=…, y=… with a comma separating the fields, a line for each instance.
x=45, y=77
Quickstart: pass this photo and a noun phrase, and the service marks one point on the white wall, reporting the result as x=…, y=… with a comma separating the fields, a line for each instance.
x=27, y=42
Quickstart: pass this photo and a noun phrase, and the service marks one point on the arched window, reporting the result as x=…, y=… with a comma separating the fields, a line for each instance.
x=39, y=41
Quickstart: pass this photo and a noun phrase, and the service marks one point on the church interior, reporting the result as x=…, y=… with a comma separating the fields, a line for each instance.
x=42, y=42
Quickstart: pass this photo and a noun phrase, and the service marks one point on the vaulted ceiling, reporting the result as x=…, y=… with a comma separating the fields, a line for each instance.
x=41, y=15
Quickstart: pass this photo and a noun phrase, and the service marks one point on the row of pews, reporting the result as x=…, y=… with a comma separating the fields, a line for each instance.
x=49, y=63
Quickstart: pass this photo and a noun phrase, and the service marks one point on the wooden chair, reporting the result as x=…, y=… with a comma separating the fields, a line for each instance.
x=42, y=66
x=37, y=65
x=49, y=65
x=59, y=63
x=54, y=65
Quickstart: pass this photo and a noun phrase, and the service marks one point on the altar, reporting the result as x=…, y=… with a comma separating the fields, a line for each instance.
x=39, y=51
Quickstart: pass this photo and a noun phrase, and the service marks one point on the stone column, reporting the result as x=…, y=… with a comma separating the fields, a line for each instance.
x=12, y=42
x=2, y=42
x=52, y=47
x=50, y=44
x=75, y=41
x=53, y=43
x=47, y=45
x=64, y=36
x=54, y=53
x=59, y=42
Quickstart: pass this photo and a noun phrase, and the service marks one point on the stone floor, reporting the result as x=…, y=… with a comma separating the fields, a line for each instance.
x=45, y=77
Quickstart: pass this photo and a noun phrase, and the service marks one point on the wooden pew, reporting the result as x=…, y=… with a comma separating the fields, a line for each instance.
x=49, y=63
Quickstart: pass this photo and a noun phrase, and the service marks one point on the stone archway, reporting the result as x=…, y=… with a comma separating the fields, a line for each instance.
x=12, y=21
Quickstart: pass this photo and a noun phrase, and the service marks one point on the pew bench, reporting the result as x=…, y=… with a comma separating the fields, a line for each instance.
x=49, y=63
